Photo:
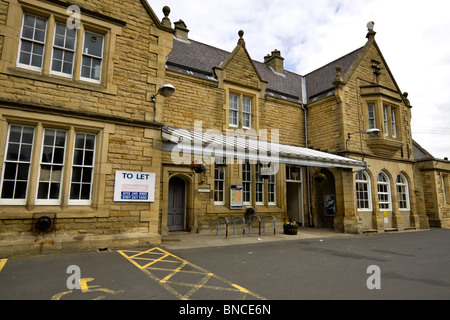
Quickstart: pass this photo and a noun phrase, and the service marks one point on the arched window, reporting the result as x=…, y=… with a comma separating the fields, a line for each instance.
x=403, y=192
x=363, y=192
x=384, y=192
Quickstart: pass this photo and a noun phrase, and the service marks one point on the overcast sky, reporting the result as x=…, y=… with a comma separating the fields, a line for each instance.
x=413, y=35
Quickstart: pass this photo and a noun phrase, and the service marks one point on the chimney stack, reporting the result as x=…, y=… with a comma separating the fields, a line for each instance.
x=181, y=30
x=275, y=60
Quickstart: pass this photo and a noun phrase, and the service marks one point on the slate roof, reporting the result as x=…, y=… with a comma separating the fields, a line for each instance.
x=321, y=80
x=420, y=153
x=198, y=59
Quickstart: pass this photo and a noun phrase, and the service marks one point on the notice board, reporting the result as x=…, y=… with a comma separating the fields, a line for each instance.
x=134, y=187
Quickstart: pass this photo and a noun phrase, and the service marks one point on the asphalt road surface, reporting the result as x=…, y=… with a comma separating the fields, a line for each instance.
x=391, y=266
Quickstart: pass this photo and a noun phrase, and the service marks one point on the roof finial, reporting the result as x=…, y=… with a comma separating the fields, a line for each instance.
x=241, y=41
x=166, y=21
x=371, y=34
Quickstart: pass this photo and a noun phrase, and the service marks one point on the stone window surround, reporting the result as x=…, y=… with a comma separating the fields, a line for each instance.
x=241, y=92
x=11, y=31
x=66, y=208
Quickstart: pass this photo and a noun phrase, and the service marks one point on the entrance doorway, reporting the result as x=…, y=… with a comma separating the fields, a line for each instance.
x=294, y=194
x=176, y=213
x=294, y=202
x=326, y=201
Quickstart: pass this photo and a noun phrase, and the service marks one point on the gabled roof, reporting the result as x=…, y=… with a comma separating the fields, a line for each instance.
x=420, y=153
x=198, y=59
x=321, y=80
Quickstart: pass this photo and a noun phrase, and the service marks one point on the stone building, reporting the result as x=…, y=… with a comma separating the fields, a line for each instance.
x=434, y=197
x=76, y=87
x=95, y=155
x=351, y=108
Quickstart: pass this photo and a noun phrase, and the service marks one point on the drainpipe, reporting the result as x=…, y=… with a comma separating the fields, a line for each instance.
x=308, y=173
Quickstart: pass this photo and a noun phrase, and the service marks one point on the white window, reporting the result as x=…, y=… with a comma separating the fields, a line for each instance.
x=234, y=110
x=384, y=192
x=246, y=112
x=386, y=121
x=82, y=169
x=16, y=165
x=272, y=190
x=247, y=183
x=293, y=174
x=402, y=192
x=50, y=175
x=219, y=185
x=363, y=192
x=259, y=185
x=91, y=63
x=371, y=113
x=63, y=50
x=394, y=123
x=51, y=166
x=32, y=42
x=240, y=110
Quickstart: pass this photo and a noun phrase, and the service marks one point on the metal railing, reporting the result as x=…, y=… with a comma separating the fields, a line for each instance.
x=274, y=224
x=234, y=225
x=226, y=229
x=250, y=224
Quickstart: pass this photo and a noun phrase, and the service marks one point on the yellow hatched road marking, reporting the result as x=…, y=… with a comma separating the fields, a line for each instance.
x=2, y=263
x=162, y=256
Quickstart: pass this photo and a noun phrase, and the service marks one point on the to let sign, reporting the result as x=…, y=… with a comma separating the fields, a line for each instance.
x=134, y=187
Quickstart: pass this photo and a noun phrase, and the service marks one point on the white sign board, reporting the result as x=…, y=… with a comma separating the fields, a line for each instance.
x=134, y=187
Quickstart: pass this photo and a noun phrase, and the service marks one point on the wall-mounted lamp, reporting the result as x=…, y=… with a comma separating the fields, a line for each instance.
x=370, y=132
x=166, y=90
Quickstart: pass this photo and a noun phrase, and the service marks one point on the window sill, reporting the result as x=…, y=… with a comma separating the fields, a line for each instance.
x=18, y=71
x=77, y=212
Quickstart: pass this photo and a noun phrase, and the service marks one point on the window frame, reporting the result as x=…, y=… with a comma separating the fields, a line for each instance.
x=386, y=120
x=64, y=49
x=394, y=122
x=403, y=189
x=218, y=171
x=21, y=39
x=14, y=201
x=247, y=113
x=92, y=57
x=371, y=110
x=259, y=182
x=81, y=202
x=365, y=183
x=47, y=200
x=387, y=194
x=237, y=107
x=34, y=171
x=247, y=183
x=272, y=194
x=233, y=110
x=111, y=29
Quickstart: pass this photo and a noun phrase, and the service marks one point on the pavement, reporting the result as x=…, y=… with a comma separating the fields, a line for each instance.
x=186, y=240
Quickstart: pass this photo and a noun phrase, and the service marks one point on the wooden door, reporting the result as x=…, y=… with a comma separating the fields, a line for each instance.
x=177, y=205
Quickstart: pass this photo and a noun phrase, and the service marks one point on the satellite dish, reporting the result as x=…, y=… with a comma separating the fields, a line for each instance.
x=371, y=25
